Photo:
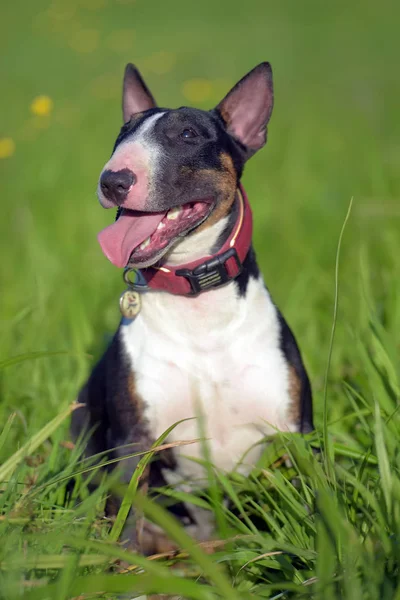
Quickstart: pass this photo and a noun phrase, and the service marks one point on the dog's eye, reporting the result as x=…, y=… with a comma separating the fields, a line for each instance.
x=188, y=134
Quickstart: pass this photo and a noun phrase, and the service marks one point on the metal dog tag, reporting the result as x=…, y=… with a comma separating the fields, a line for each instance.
x=130, y=304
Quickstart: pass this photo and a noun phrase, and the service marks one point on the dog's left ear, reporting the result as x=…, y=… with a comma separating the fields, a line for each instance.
x=136, y=96
x=247, y=108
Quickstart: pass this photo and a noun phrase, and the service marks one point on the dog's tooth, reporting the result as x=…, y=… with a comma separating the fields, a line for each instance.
x=173, y=213
x=161, y=225
x=144, y=244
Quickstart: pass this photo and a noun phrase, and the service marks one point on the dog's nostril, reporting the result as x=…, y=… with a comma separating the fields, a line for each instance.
x=115, y=185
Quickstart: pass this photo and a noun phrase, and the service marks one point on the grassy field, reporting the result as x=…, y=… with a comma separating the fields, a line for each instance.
x=327, y=527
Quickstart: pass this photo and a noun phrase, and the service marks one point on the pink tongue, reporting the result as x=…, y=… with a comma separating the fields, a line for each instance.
x=131, y=229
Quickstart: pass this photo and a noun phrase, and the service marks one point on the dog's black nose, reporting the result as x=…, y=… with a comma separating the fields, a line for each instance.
x=115, y=185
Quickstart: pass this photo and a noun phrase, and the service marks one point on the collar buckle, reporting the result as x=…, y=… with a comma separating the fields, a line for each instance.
x=211, y=273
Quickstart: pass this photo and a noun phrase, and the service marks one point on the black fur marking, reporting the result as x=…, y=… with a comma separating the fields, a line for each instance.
x=250, y=269
x=292, y=354
x=110, y=410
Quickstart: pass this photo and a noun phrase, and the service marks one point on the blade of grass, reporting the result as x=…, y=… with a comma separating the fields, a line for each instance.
x=7, y=468
x=383, y=460
x=6, y=430
x=174, y=530
x=51, y=561
x=134, y=483
x=118, y=584
x=15, y=360
x=57, y=480
x=329, y=457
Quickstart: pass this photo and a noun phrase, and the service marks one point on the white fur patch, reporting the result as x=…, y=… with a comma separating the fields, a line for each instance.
x=145, y=127
x=196, y=245
x=142, y=138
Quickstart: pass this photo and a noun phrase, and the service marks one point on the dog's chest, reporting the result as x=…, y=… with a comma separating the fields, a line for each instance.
x=217, y=355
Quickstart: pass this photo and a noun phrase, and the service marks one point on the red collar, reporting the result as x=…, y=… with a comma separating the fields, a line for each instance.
x=209, y=272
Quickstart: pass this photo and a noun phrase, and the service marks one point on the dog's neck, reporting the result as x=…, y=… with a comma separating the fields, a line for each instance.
x=216, y=310
x=203, y=243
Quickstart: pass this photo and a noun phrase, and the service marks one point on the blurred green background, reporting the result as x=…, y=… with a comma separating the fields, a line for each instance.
x=334, y=134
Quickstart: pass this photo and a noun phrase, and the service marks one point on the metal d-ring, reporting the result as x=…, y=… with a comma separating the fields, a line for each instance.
x=134, y=285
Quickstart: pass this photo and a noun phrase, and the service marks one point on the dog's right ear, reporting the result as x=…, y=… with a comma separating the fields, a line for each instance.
x=136, y=97
x=247, y=108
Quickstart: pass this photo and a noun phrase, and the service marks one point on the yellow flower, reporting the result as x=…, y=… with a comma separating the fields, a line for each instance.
x=7, y=147
x=42, y=106
x=197, y=90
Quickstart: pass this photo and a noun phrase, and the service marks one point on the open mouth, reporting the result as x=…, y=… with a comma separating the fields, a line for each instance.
x=141, y=238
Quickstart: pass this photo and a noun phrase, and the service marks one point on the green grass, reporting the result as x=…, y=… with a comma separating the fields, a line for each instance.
x=328, y=526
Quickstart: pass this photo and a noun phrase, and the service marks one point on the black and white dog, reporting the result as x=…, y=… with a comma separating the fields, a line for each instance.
x=207, y=336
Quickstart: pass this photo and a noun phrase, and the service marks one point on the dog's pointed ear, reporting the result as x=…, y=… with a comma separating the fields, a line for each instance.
x=247, y=108
x=136, y=97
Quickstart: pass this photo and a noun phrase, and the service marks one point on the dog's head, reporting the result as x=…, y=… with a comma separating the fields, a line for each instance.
x=174, y=173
